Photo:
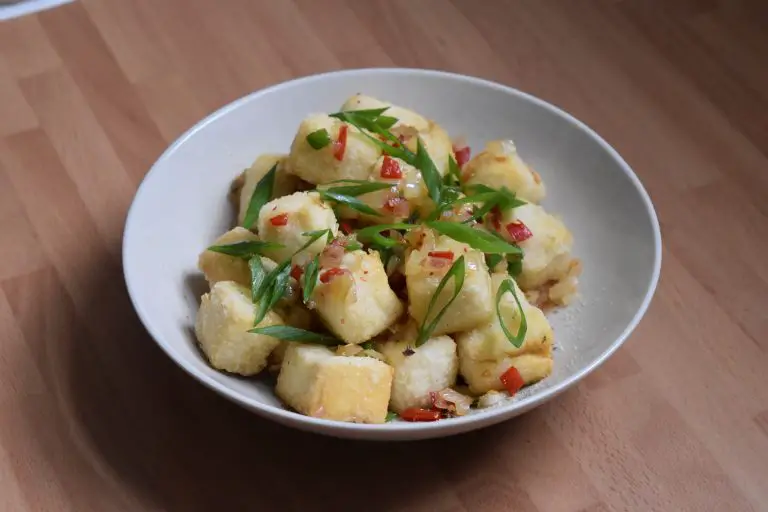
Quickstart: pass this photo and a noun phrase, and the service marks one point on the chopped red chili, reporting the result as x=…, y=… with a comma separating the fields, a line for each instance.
x=279, y=220
x=462, y=155
x=512, y=380
x=345, y=227
x=296, y=272
x=390, y=169
x=417, y=414
x=340, y=144
x=329, y=274
x=448, y=255
x=518, y=231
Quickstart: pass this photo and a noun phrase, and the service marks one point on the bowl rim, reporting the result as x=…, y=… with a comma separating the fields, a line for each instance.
x=454, y=425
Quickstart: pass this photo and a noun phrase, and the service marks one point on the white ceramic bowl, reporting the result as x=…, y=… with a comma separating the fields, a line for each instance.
x=181, y=207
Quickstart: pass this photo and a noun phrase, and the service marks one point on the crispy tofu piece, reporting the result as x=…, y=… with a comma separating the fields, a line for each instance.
x=404, y=116
x=474, y=304
x=436, y=139
x=285, y=183
x=221, y=267
x=223, y=320
x=430, y=368
x=359, y=305
x=547, y=254
x=499, y=165
x=319, y=166
x=485, y=352
x=317, y=383
x=305, y=212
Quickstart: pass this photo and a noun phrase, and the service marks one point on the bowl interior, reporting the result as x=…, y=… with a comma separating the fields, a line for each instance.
x=181, y=207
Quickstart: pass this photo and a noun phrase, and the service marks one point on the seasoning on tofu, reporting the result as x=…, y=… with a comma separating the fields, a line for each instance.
x=383, y=273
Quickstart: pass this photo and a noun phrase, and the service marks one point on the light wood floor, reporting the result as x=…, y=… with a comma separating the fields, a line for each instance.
x=93, y=417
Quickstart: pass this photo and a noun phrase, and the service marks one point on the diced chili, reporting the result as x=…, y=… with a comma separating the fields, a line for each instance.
x=417, y=414
x=340, y=144
x=462, y=155
x=331, y=273
x=390, y=169
x=512, y=380
x=279, y=220
x=518, y=231
x=448, y=255
x=296, y=272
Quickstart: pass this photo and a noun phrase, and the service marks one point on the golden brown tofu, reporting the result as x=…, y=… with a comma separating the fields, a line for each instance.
x=499, y=165
x=222, y=267
x=315, y=382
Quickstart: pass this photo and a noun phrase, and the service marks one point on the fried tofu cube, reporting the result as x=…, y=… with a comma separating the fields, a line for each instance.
x=316, y=382
x=429, y=368
x=436, y=140
x=472, y=307
x=320, y=166
x=404, y=116
x=356, y=303
x=285, y=219
x=485, y=352
x=285, y=183
x=499, y=165
x=547, y=253
x=223, y=320
x=222, y=267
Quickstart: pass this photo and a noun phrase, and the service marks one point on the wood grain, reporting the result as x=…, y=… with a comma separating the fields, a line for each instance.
x=93, y=417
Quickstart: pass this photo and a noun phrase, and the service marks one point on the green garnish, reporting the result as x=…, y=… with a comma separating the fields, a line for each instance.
x=475, y=238
x=245, y=250
x=319, y=138
x=509, y=286
x=386, y=122
x=429, y=172
x=492, y=260
x=276, y=283
x=357, y=188
x=349, y=201
x=258, y=276
x=504, y=198
x=261, y=196
x=352, y=245
x=373, y=234
x=309, y=278
x=314, y=236
x=288, y=333
x=391, y=416
x=454, y=172
x=456, y=272
x=515, y=267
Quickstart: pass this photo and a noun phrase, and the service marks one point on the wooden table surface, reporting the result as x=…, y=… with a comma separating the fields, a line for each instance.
x=93, y=417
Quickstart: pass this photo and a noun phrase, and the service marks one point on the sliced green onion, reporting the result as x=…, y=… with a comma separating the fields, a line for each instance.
x=475, y=238
x=454, y=172
x=359, y=189
x=314, y=236
x=429, y=172
x=245, y=250
x=258, y=277
x=517, y=340
x=351, y=202
x=372, y=234
x=275, y=285
x=386, y=122
x=261, y=196
x=515, y=267
x=309, y=278
x=319, y=138
x=391, y=416
x=288, y=333
x=456, y=272
x=492, y=260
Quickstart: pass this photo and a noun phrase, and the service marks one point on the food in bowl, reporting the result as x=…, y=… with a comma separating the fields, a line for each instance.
x=380, y=272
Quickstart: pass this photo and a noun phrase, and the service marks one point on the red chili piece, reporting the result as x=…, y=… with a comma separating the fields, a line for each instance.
x=390, y=169
x=462, y=155
x=296, y=272
x=448, y=255
x=417, y=414
x=518, y=231
x=512, y=380
x=279, y=220
x=340, y=145
x=331, y=273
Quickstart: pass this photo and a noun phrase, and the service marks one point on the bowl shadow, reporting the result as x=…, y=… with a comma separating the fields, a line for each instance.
x=167, y=441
